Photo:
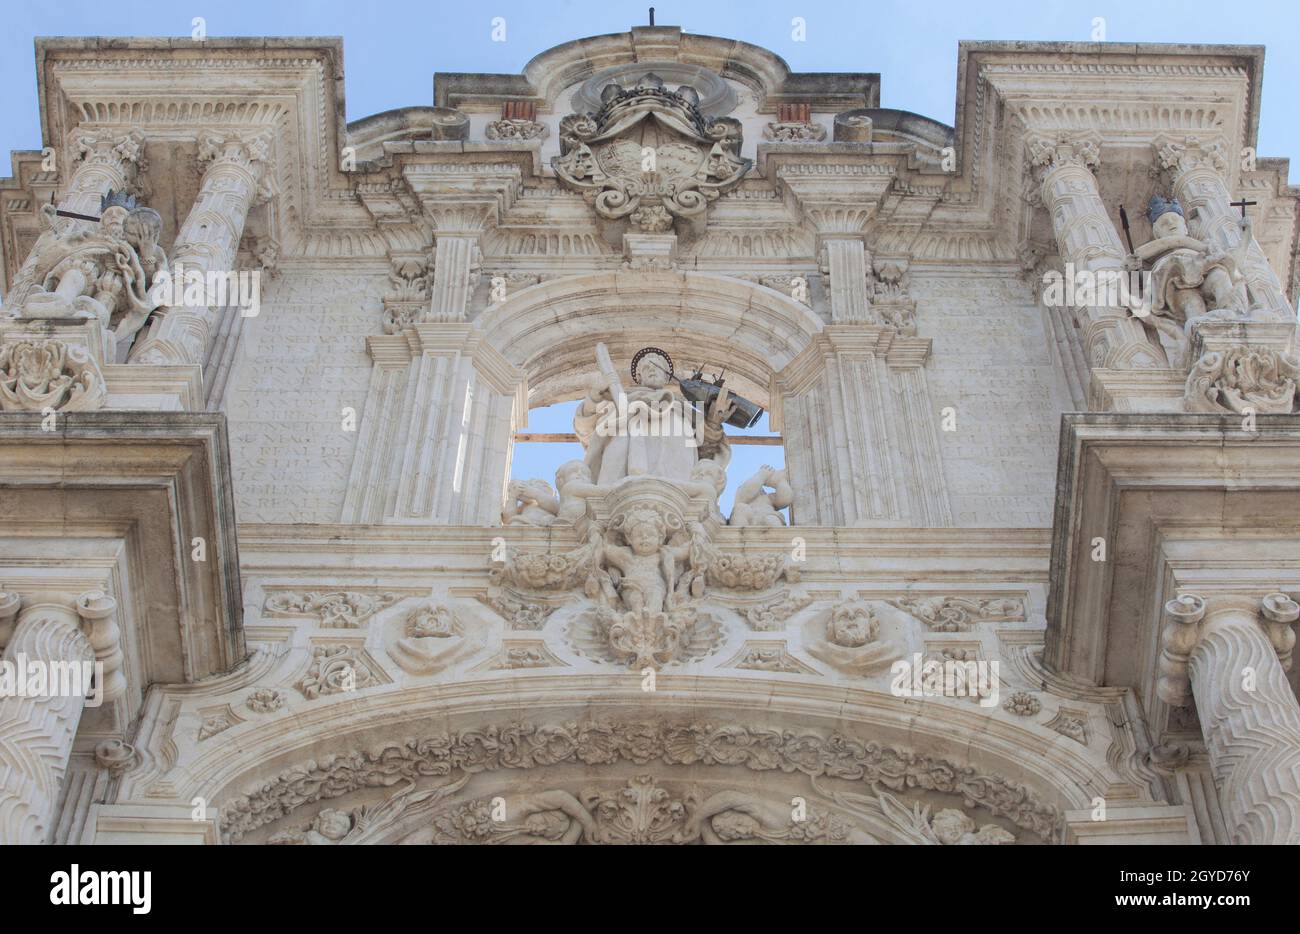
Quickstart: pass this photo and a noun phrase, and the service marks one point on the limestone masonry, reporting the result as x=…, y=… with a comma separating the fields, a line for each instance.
x=1025, y=572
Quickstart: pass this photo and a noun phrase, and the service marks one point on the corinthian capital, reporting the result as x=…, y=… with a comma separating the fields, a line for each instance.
x=111, y=147
x=1054, y=150
x=250, y=151
x=1179, y=155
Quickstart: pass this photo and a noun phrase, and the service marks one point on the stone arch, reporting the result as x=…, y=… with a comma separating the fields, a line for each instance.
x=360, y=752
x=549, y=331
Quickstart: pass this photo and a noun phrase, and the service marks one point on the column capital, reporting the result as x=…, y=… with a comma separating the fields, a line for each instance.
x=247, y=150
x=1049, y=151
x=1181, y=154
x=107, y=146
x=252, y=152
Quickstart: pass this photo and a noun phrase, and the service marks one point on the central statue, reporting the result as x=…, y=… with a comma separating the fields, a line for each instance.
x=647, y=430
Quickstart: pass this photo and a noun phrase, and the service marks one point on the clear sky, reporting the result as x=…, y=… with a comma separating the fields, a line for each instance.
x=392, y=49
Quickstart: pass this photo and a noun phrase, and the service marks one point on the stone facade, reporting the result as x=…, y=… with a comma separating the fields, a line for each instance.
x=1027, y=574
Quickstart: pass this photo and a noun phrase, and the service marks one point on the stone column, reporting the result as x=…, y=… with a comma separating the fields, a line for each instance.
x=915, y=428
x=1234, y=663
x=1197, y=172
x=1088, y=243
x=36, y=732
x=236, y=170
x=456, y=261
x=105, y=160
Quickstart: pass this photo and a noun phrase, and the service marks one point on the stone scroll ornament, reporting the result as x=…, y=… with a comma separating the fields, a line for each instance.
x=40, y=374
x=649, y=156
x=1241, y=380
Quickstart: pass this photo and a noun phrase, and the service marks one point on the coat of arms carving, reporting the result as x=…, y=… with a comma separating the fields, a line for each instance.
x=650, y=157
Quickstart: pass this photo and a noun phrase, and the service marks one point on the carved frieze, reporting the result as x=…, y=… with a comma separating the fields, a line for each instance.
x=333, y=609
x=959, y=614
x=520, y=746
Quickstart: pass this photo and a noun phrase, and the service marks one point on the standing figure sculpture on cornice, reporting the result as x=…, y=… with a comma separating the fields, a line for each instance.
x=647, y=431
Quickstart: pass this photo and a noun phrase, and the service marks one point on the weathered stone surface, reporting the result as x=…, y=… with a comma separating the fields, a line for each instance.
x=363, y=625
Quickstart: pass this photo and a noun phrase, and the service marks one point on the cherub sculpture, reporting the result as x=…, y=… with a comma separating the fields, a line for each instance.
x=530, y=502
x=647, y=566
x=755, y=506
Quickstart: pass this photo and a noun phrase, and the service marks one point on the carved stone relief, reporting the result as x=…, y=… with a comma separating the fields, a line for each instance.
x=649, y=156
x=631, y=810
x=335, y=609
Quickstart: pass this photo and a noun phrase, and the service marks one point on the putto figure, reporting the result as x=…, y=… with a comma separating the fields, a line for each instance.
x=756, y=506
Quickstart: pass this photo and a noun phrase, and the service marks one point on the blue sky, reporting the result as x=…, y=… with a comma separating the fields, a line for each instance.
x=390, y=58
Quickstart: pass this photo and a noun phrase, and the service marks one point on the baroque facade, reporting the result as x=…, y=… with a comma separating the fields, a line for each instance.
x=319, y=609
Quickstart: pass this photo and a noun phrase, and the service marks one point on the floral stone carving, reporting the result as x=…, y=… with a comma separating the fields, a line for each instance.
x=959, y=614
x=336, y=609
x=521, y=746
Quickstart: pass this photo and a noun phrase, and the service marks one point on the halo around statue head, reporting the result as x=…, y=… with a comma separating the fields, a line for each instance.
x=645, y=352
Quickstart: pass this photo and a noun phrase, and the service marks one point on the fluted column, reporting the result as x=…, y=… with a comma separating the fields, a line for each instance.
x=842, y=475
x=1232, y=655
x=1088, y=243
x=846, y=260
x=1197, y=175
x=105, y=161
x=236, y=170
x=455, y=274
x=36, y=732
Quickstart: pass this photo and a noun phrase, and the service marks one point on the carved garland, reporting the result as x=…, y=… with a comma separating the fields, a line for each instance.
x=604, y=742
